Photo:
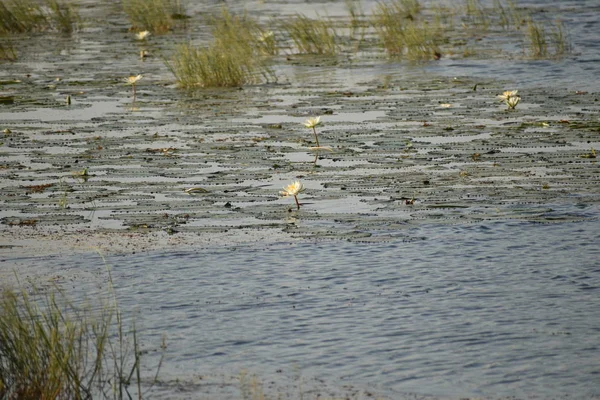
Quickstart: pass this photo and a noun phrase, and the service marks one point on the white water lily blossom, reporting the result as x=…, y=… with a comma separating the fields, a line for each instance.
x=312, y=123
x=132, y=80
x=293, y=189
x=142, y=35
x=507, y=95
x=511, y=98
x=512, y=102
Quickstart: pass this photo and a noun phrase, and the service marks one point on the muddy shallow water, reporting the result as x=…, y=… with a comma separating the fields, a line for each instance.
x=445, y=246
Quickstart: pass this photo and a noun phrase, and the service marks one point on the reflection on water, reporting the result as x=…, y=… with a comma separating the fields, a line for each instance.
x=491, y=309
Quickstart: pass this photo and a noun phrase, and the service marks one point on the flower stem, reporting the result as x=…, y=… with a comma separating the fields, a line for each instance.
x=316, y=137
x=297, y=204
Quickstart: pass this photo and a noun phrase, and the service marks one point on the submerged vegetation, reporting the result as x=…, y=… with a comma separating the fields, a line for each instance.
x=52, y=349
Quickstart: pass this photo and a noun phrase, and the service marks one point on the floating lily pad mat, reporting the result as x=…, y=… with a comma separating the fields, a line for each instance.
x=406, y=147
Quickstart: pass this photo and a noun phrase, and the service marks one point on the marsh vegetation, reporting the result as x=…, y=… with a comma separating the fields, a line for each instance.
x=51, y=348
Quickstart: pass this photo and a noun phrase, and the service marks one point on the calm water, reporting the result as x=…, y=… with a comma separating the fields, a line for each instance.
x=493, y=309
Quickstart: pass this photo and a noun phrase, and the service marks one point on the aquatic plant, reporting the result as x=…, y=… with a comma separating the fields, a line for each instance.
x=591, y=154
x=293, y=189
x=217, y=66
x=157, y=16
x=403, y=34
x=510, y=98
x=63, y=16
x=52, y=349
x=143, y=35
x=358, y=19
x=537, y=39
x=541, y=40
x=243, y=32
x=18, y=16
x=311, y=36
x=312, y=123
x=508, y=14
x=267, y=43
x=476, y=14
x=507, y=94
x=236, y=56
x=559, y=40
x=512, y=102
x=133, y=80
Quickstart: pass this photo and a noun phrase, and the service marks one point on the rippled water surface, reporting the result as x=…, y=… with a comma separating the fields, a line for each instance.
x=491, y=309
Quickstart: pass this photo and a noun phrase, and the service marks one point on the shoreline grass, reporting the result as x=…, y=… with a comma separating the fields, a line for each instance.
x=52, y=349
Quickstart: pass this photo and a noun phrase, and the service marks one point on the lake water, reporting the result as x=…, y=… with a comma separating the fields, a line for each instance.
x=490, y=309
x=482, y=310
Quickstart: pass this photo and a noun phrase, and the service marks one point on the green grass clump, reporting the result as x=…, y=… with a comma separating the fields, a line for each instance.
x=242, y=31
x=52, y=349
x=19, y=16
x=477, y=15
x=546, y=37
x=156, y=16
x=508, y=14
x=216, y=66
x=236, y=56
x=537, y=39
x=312, y=36
x=403, y=33
x=63, y=15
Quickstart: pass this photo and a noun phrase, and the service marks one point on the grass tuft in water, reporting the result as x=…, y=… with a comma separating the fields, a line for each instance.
x=311, y=36
x=403, y=34
x=358, y=20
x=53, y=349
x=63, y=16
x=537, y=39
x=476, y=14
x=235, y=58
x=156, y=16
x=508, y=14
x=30, y=16
x=545, y=37
x=559, y=40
